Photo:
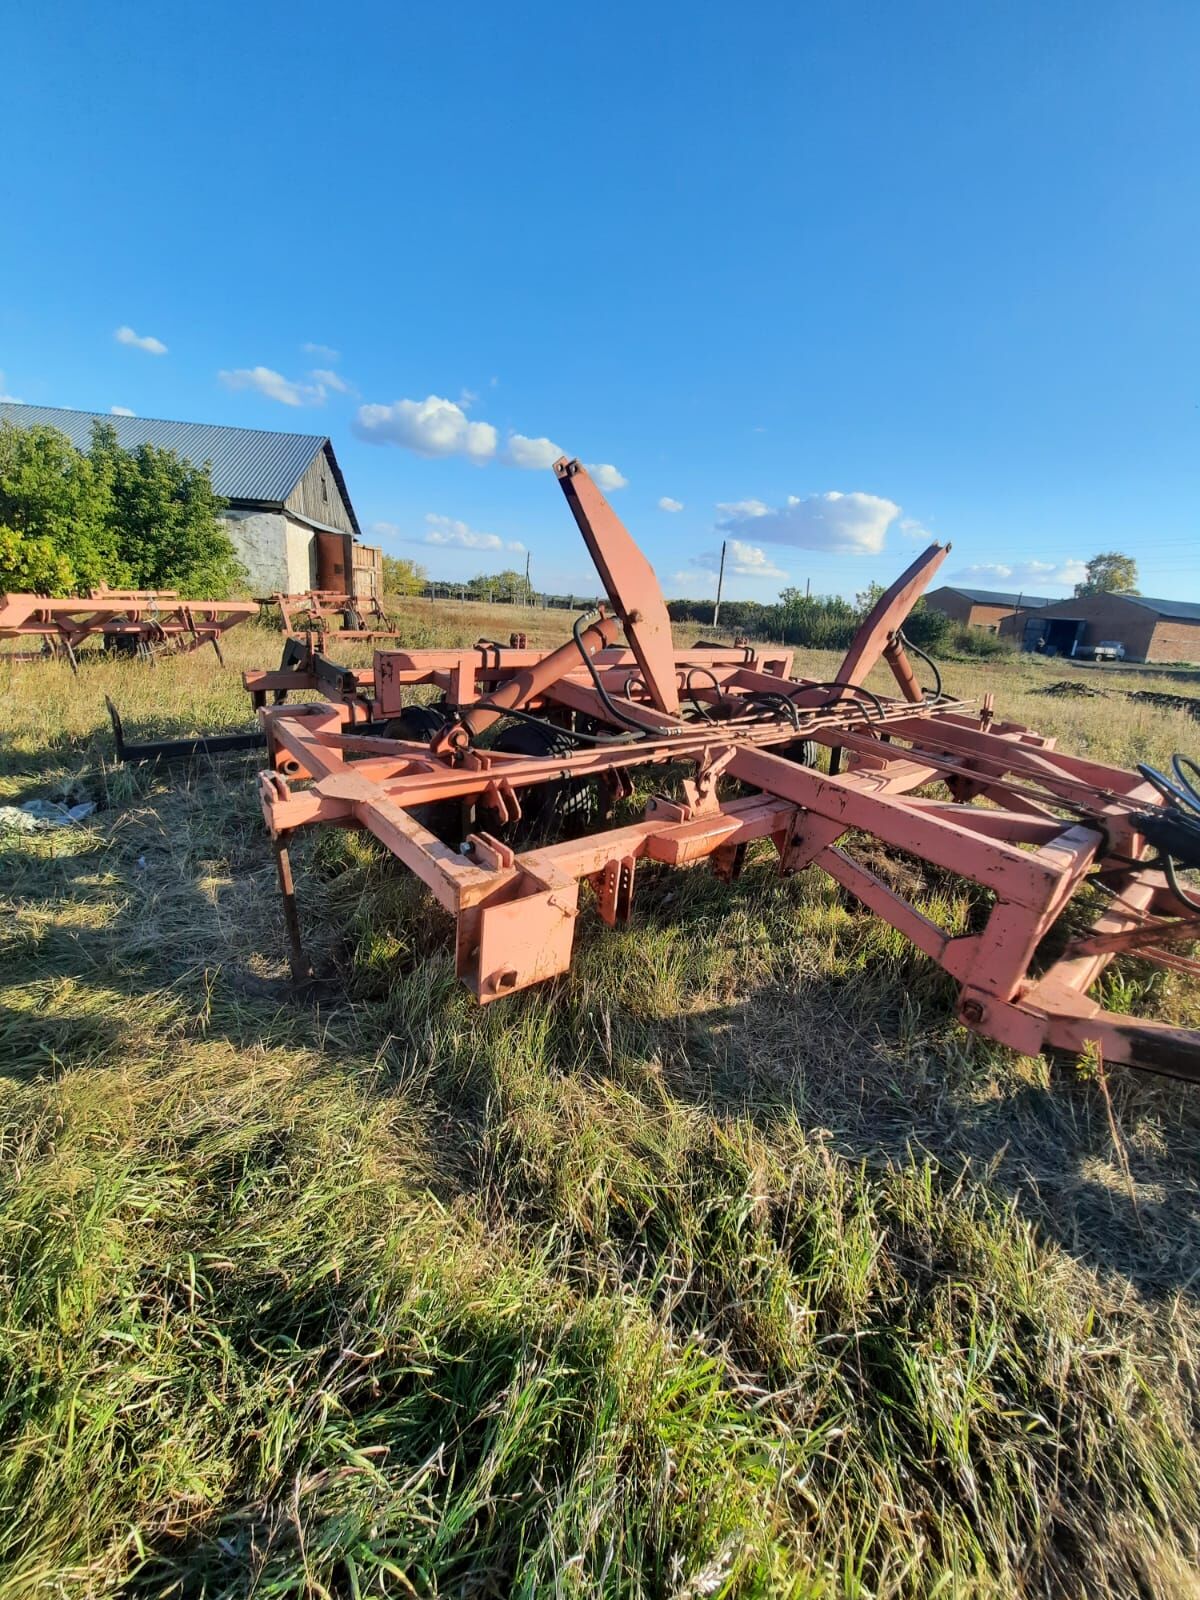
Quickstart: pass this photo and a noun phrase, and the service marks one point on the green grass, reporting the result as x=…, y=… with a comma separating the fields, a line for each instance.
x=725, y=1265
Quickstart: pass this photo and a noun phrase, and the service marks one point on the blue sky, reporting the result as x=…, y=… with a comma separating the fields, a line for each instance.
x=826, y=277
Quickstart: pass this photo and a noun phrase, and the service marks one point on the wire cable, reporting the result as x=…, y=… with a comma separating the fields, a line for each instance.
x=844, y=689
x=1177, y=835
x=938, y=692
x=701, y=709
x=545, y=723
x=647, y=730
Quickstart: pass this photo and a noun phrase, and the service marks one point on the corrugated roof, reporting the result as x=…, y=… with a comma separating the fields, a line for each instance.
x=1184, y=610
x=1181, y=610
x=993, y=597
x=248, y=464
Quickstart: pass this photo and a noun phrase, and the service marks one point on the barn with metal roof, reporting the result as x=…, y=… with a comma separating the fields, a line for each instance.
x=1148, y=629
x=981, y=608
x=289, y=515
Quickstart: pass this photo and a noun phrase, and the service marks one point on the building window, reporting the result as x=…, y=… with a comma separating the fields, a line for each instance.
x=324, y=488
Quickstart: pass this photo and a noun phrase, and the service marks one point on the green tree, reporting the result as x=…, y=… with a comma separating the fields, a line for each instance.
x=165, y=518
x=74, y=520
x=401, y=576
x=866, y=598
x=1109, y=573
x=508, y=587
x=32, y=566
x=51, y=492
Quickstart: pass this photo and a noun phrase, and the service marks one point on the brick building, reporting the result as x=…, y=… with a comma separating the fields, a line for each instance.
x=1150, y=630
x=981, y=608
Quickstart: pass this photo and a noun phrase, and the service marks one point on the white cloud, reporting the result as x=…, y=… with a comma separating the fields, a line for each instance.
x=741, y=561
x=430, y=427
x=456, y=535
x=329, y=379
x=749, y=561
x=912, y=529
x=447, y=533
x=741, y=510
x=535, y=454
x=152, y=346
x=273, y=385
x=1024, y=574
x=854, y=524
x=323, y=352
x=121, y=411
x=606, y=475
x=667, y=504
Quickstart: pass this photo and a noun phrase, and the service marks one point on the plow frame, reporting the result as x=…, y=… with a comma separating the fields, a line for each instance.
x=516, y=912
x=151, y=621
x=1029, y=826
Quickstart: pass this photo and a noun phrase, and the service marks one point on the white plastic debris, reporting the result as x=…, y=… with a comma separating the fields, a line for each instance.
x=35, y=816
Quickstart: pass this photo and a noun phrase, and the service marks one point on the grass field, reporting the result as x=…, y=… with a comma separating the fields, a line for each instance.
x=725, y=1265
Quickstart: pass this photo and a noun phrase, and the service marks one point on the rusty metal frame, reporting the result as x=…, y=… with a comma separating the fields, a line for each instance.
x=313, y=612
x=152, y=622
x=1029, y=826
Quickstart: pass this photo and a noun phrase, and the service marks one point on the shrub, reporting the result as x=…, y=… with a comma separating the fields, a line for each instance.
x=963, y=640
x=32, y=565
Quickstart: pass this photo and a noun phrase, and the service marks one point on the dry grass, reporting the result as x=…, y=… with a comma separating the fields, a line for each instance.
x=726, y=1265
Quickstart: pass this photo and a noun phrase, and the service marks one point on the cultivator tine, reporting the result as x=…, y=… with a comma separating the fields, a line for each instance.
x=118, y=731
x=178, y=749
x=302, y=970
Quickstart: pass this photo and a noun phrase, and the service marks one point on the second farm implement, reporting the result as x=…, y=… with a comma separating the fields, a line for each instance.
x=466, y=806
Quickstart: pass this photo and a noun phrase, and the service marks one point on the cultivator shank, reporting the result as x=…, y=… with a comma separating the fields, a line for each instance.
x=990, y=802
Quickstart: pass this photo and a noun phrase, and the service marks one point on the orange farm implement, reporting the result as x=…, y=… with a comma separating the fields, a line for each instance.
x=936, y=778
x=315, y=611
x=137, y=621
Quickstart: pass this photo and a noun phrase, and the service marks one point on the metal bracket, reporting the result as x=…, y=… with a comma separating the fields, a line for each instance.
x=615, y=891
x=501, y=797
x=489, y=852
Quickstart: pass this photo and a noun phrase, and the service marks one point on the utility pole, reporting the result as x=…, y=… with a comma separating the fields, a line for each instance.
x=528, y=590
x=720, y=586
x=807, y=587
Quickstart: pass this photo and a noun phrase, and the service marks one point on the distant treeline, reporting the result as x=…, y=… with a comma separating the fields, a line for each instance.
x=818, y=621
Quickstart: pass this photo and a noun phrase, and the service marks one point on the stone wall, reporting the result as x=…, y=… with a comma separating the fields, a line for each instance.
x=279, y=554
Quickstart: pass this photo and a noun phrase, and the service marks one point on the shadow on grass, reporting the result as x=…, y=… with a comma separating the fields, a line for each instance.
x=1129, y=1205
x=165, y=923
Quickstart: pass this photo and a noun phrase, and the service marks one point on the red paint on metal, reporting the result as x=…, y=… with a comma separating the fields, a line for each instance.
x=628, y=580
x=1052, y=822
